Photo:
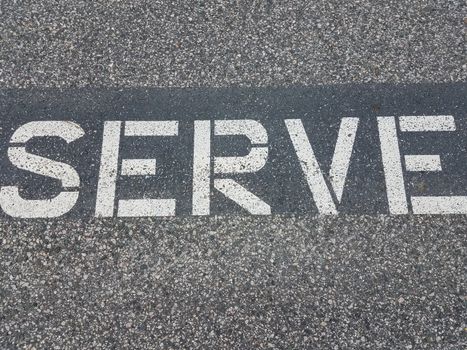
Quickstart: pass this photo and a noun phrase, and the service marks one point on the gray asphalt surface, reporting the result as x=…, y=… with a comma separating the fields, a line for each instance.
x=286, y=282
x=225, y=43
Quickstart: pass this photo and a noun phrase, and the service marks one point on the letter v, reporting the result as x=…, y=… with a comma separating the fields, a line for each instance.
x=311, y=168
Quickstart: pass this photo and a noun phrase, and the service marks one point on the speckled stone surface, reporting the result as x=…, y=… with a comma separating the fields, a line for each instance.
x=342, y=282
x=281, y=282
x=225, y=43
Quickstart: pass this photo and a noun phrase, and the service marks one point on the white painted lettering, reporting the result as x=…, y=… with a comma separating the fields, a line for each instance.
x=392, y=166
x=11, y=201
x=130, y=167
x=310, y=165
x=252, y=162
x=431, y=204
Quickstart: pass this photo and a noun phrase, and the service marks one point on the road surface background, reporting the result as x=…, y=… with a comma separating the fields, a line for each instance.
x=235, y=282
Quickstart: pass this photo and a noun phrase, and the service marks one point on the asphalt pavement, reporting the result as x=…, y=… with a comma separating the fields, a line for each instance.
x=292, y=280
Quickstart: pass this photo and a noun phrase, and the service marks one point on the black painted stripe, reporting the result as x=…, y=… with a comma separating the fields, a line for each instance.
x=281, y=183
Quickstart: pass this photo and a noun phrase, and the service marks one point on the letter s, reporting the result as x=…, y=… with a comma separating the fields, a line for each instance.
x=10, y=200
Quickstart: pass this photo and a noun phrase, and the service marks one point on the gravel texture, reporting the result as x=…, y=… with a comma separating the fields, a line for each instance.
x=282, y=282
x=236, y=283
x=224, y=43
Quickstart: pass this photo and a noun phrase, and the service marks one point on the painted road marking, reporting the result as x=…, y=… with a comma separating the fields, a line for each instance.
x=325, y=150
x=11, y=201
x=392, y=165
x=416, y=123
x=310, y=166
x=109, y=170
x=107, y=183
x=139, y=167
x=426, y=162
x=202, y=167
